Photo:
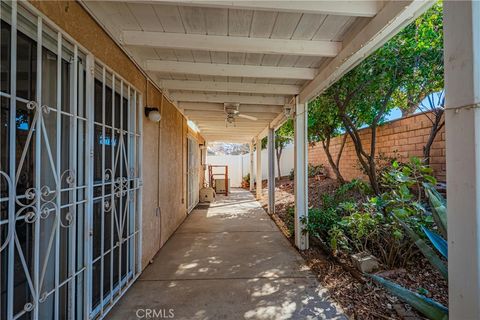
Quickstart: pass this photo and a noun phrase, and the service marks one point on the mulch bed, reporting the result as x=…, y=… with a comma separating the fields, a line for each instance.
x=359, y=298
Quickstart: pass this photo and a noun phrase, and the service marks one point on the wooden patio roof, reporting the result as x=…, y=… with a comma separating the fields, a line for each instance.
x=254, y=54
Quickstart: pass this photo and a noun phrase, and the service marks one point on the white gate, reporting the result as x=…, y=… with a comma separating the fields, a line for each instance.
x=69, y=174
x=193, y=170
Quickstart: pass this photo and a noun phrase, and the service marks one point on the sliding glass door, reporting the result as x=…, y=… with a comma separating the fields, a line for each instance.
x=116, y=185
x=43, y=161
x=69, y=175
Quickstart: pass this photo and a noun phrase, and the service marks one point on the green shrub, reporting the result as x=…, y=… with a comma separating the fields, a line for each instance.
x=402, y=196
x=351, y=220
x=316, y=170
x=291, y=176
x=290, y=220
x=356, y=186
x=313, y=171
x=418, y=300
x=320, y=221
x=325, y=223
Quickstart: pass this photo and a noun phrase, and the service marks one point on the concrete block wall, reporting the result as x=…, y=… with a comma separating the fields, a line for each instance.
x=402, y=138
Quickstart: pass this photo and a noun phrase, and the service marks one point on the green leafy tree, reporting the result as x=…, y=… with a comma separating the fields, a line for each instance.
x=433, y=108
x=424, y=83
x=424, y=38
x=324, y=124
x=362, y=99
x=365, y=95
x=283, y=136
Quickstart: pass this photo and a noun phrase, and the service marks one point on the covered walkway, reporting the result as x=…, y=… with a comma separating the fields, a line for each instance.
x=229, y=261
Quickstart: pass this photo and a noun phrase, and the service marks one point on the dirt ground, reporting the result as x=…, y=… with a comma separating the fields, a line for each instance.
x=359, y=298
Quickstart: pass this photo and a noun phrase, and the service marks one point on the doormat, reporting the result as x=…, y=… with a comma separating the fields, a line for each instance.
x=203, y=206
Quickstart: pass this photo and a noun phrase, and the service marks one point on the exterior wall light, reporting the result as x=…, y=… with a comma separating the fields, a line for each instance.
x=288, y=111
x=152, y=114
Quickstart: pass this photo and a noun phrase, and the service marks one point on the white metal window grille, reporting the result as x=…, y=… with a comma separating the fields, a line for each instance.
x=116, y=188
x=193, y=159
x=70, y=224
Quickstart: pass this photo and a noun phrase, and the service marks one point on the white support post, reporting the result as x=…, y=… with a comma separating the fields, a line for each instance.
x=271, y=170
x=462, y=117
x=252, y=166
x=258, y=176
x=301, y=179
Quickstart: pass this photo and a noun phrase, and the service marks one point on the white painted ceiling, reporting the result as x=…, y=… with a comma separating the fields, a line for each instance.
x=257, y=53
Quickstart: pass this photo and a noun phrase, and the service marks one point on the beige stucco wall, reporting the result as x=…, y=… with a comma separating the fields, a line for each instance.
x=150, y=215
x=172, y=170
x=164, y=143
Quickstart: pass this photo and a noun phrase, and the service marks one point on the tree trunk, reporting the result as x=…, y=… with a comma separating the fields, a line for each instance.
x=339, y=155
x=412, y=105
x=279, y=155
x=371, y=160
x=334, y=165
x=372, y=175
x=436, y=127
x=367, y=161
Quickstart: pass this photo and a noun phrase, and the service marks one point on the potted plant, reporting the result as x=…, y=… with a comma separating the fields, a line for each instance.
x=246, y=181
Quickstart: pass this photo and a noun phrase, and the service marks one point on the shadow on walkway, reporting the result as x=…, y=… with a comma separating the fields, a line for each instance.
x=228, y=262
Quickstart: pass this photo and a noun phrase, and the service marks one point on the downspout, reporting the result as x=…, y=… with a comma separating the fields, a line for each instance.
x=184, y=172
x=159, y=138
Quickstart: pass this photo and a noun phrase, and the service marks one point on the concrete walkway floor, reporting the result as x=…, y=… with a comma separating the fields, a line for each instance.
x=228, y=262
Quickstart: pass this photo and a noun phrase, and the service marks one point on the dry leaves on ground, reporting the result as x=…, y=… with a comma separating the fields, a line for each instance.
x=358, y=300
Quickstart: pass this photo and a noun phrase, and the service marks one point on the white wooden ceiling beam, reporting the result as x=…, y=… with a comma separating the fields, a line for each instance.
x=205, y=106
x=231, y=132
x=344, y=8
x=390, y=20
x=275, y=123
x=210, y=115
x=234, y=137
x=224, y=98
x=231, y=43
x=229, y=139
x=241, y=87
x=223, y=129
x=221, y=122
x=241, y=125
x=197, y=116
x=230, y=70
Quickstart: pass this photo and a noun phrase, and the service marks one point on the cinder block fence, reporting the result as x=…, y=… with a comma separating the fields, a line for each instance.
x=402, y=139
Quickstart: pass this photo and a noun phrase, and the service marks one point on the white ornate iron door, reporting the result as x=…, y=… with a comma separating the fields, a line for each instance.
x=116, y=187
x=69, y=175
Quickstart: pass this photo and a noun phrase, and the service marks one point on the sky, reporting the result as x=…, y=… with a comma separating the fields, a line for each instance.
x=436, y=98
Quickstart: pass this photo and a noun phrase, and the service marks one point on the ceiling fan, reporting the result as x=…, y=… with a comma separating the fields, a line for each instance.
x=232, y=112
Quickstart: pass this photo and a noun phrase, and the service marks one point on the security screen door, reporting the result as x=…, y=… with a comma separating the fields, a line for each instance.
x=193, y=161
x=69, y=175
x=116, y=187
